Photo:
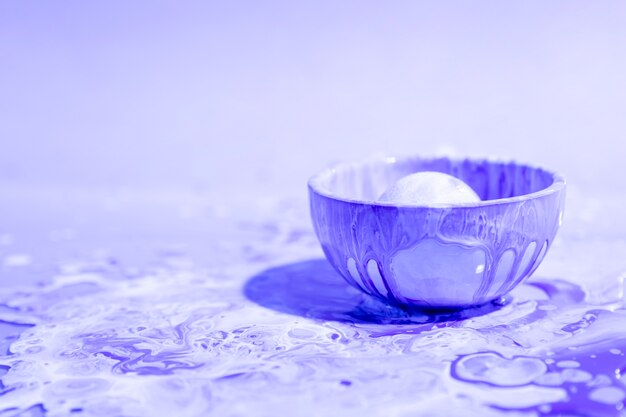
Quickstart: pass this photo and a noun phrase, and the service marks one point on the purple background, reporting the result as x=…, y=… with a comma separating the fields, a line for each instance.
x=225, y=94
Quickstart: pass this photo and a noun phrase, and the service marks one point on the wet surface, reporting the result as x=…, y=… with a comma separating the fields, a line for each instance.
x=117, y=303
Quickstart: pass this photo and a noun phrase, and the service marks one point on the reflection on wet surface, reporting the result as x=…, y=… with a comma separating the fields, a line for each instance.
x=196, y=310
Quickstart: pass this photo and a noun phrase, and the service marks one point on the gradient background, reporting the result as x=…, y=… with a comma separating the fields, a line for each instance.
x=234, y=96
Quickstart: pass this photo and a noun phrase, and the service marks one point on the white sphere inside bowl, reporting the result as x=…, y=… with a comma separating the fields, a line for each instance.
x=428, y=188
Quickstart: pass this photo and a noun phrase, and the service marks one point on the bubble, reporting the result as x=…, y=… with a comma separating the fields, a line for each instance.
x=576, y=375
x=568, y=364
x=607, y=395
x=497, y=370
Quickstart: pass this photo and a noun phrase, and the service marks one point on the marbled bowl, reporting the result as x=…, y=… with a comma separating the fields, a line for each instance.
x=447, y=256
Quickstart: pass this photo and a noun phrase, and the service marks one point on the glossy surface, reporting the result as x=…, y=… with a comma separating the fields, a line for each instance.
x=170, y=303
x=442, y=256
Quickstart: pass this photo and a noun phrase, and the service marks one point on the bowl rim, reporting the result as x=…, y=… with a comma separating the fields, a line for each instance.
x=557, y=185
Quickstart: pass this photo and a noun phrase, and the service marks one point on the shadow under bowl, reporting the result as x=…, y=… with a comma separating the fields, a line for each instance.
x=443, y=256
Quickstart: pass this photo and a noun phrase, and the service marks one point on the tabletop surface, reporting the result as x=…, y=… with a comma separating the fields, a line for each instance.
x=138, y=302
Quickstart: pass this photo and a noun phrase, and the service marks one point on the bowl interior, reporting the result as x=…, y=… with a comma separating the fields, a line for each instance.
x=490, y=180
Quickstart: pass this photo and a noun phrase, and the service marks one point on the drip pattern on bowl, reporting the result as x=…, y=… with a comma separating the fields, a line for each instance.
x=443, y=255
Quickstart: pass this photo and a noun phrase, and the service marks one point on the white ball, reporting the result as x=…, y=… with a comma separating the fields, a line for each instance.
x=427, y=188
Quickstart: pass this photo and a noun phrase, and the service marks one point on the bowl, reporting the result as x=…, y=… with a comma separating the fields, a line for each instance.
x=440, y=256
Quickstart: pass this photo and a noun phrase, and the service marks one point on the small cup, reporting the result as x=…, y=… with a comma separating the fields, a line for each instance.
x=440, y=256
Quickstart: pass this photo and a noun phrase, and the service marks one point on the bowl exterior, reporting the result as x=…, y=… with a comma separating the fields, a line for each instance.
x=436, y=257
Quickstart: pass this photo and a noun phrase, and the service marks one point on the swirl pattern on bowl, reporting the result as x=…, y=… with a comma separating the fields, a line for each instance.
x=436, y=256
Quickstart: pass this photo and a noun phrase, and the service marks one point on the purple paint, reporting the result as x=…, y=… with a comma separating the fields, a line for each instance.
x=10, y=332
x=251, y=321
